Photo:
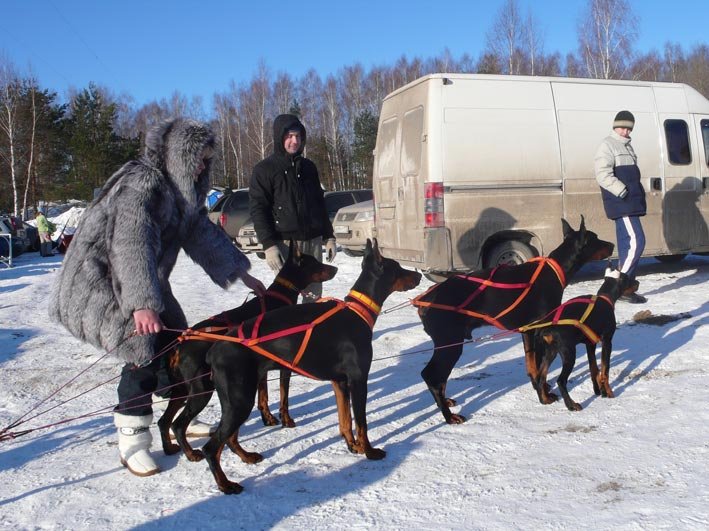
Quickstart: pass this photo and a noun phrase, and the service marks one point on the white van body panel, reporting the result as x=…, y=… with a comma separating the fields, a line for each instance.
x=514, y=154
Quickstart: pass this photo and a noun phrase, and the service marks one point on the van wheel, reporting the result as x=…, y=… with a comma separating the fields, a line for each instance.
x=670, y=258
x=510, y=252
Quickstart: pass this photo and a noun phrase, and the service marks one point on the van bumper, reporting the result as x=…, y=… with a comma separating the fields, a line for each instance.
x=437, y=249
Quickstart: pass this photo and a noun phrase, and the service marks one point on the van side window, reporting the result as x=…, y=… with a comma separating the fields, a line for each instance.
x=677, y=136
x=386, y=147
x=412, y=132
x=704, y=124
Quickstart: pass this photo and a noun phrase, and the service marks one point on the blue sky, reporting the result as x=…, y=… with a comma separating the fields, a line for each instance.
x=149, y=48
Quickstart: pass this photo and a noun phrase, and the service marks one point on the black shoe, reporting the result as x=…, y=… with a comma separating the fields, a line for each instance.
x=633, y=298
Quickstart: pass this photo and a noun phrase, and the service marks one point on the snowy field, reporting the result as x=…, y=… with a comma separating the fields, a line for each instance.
x=638, y=461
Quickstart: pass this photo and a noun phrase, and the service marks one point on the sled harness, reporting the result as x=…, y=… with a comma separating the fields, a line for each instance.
x=589, y=319
x=484, y=283
x=359, y=303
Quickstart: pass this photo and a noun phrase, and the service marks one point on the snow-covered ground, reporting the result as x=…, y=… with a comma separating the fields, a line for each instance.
x=639, y=461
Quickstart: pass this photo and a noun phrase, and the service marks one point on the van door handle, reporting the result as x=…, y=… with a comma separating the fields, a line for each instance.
x=656, y=184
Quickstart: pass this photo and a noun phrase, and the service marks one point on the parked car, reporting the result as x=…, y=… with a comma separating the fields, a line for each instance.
x=353, y=225
x=18, y=236
x=231, y=211
x=334, y=201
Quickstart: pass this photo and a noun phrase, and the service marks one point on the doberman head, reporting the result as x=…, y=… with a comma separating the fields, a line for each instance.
x=188, y=364
x=579, y=247
x=599, y=324
x=327, y=340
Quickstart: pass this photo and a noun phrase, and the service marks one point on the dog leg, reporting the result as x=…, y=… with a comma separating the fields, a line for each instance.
x=358, y=391
x=593, y=367
x=266, y=416
x=603, y=376
x=249, y=458
x=286, y=419
x=200, y=391
x=568, y=356
x=342, y=397
x=213, y=453
x=436, y=374
x=173, y=406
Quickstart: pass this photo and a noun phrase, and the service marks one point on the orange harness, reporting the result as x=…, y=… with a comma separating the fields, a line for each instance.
x=359, y=303
x=485, y=283
x=591, y=321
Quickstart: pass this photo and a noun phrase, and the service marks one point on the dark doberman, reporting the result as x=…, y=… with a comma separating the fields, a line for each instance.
x=588, y=320
x=327, y=340
x=507, y=297
x=188, y=363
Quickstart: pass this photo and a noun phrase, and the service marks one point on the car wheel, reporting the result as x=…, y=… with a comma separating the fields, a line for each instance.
x=511, y=252
x=670, y=258
x=261, y=255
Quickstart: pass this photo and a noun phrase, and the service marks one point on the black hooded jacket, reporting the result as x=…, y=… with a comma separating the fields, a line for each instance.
x=286, y=199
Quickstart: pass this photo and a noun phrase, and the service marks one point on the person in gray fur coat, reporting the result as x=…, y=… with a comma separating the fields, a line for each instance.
x=113, y=289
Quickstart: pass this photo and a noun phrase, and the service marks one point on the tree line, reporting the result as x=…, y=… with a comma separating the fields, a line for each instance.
x=53, y=151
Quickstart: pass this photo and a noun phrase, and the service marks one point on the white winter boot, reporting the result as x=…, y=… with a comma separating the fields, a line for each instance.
x=134, y=440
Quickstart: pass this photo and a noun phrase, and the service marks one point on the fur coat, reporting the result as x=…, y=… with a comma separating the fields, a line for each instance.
x=128, y=239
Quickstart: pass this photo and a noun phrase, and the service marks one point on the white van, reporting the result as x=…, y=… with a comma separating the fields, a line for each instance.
x=472, y=170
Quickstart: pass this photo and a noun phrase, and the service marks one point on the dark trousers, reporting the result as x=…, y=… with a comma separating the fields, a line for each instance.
x=138, y=383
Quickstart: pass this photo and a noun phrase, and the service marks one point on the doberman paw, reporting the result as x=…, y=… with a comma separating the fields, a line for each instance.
x=287, y=422
x=251, y=458
x=455, y=419
x=375, y=454
x=573, y=406
x=231, y=487
x=269, y=420
x=450, y=402
x=194, y=456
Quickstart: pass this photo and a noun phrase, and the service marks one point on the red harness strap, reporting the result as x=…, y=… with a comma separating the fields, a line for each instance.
x=486, y=282
x=228, y=324
x=361, y=305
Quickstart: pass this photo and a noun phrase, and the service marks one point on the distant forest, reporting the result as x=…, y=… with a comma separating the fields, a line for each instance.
x=52, y=151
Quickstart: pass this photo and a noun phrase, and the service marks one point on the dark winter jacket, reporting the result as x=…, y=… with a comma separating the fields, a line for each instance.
x=128, y=239
x=286, y=199
x=618, y=175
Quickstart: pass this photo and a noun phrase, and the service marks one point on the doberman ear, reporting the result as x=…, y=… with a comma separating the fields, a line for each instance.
x=375, y=249
x=294, y=253
x=566, y=228
x=582, y=228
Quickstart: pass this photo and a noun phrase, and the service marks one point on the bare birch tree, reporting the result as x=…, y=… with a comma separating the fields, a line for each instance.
x=504, y=39
x=9, y=104
x=607, y=32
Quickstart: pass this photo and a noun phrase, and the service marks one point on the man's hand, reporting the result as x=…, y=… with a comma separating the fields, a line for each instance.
x=330, y=249
x=253, y=284
x=147, y=322
x=274, y=258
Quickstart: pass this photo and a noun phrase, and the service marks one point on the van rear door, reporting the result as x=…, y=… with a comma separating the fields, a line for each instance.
x=399, y=175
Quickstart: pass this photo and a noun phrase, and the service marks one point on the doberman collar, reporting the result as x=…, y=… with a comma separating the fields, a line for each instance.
x=363, y=306
x=285, y=283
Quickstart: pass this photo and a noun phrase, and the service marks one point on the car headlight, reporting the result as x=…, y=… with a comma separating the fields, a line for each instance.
x=364, y=216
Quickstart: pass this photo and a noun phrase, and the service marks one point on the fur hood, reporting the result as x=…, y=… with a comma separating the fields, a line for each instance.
x=128, y=240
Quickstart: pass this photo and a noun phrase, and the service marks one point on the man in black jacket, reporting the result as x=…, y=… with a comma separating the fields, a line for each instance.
x=286, y=200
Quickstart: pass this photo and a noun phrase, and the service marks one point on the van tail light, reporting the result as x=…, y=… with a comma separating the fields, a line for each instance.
x=222, y=219
x=433, y=205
